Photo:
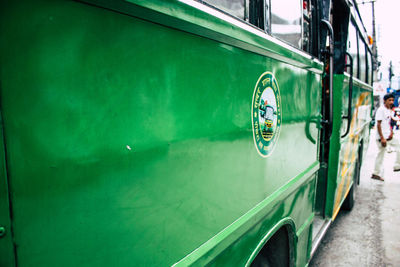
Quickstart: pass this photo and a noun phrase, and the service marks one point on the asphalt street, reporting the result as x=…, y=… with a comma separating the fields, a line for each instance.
x=369, y=235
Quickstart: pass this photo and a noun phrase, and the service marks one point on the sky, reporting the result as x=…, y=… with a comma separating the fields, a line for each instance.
x=387, y=19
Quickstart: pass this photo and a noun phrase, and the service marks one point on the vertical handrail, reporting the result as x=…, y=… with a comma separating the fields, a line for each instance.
x=349, y=107
x=331, y=52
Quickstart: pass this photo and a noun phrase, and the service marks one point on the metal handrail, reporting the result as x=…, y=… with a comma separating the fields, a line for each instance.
x=349, y=107
x=331, y=52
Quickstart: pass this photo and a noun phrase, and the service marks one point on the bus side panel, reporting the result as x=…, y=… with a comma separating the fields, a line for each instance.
x=7, y=257
x=131, y=142
x=344, y=151
x=237, y=253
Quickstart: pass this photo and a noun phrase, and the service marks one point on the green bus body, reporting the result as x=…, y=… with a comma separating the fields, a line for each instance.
x=127, y=137
x=344, y=152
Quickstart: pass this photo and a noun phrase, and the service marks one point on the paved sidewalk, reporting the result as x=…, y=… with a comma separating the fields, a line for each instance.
x=390, y=207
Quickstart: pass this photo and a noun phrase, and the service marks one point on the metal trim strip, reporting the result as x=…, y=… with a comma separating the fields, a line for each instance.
x=319, y=237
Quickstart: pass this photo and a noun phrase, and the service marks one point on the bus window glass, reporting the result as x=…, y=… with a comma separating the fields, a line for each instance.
x=369, y=62
x=233, y=7
x=352, y=48
x=362, y=64
x=371, y=70
x=258, y=13
x=286, y=21
x=308, y=8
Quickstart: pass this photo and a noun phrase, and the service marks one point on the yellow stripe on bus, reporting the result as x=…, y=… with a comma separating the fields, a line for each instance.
x=355, y=150
x=344, y=167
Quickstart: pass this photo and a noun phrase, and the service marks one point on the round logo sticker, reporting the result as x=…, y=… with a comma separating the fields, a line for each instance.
x=266, y=114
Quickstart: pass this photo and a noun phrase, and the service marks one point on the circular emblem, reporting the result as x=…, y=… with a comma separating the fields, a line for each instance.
x=266, y=114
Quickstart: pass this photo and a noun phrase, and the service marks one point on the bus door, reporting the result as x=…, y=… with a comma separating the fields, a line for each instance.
x=326, y=33
x=332, y=116
x=7, y=257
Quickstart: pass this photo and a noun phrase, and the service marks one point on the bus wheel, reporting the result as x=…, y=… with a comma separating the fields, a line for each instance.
x=350, y=199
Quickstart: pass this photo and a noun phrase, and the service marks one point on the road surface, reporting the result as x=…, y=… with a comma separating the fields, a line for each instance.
x=369, y=235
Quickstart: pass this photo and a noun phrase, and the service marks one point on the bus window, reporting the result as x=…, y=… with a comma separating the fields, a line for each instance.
x=366, y=65
x=362, y=59
x=369, y=67
x=257, y=16
x=286, y=21
x=352, y=47
x=372, y=68
x=248, y=10
x=237, y=8
x=307, y=30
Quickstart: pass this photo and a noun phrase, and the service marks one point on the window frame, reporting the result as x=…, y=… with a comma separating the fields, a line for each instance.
x=266, y=21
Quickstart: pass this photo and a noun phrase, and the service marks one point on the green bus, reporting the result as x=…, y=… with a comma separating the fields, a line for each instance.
x=177, y=133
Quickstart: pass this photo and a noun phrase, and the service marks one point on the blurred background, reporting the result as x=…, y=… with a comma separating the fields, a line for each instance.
x=382, y=21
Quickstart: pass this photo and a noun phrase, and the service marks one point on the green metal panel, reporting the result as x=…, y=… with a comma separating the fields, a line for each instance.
x=343, y=152
x=246, y=235
x=7, y=256
x=131, y=142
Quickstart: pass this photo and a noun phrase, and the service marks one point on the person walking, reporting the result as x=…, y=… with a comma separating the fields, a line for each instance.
x=384, y=136
x=394, y=125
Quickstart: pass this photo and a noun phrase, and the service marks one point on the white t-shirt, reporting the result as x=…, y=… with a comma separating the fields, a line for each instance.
x=383, y=114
